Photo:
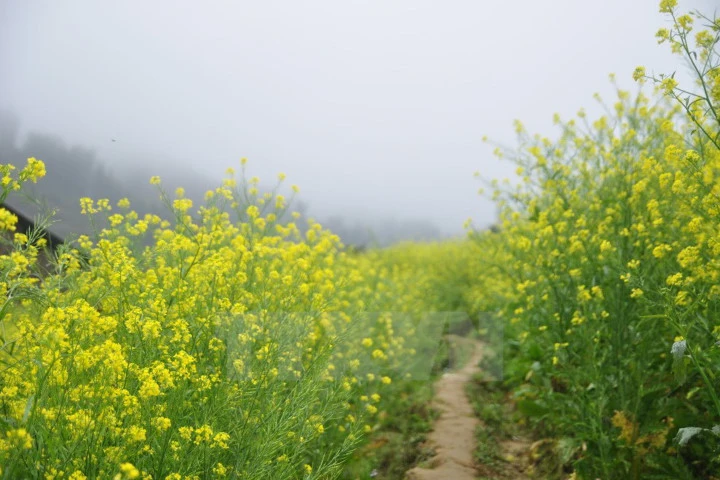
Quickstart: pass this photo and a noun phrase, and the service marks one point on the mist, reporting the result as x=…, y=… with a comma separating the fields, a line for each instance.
x=376, y=110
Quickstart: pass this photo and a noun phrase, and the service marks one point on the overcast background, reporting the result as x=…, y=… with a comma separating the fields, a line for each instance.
x=376, y=109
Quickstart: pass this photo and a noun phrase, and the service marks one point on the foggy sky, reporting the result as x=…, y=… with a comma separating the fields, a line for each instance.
x=374, y=108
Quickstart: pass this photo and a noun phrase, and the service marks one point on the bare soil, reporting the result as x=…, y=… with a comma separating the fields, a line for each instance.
x=453, y=435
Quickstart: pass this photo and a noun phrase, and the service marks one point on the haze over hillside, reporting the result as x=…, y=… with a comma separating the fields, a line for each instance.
x=376, y=110
x=75, y=171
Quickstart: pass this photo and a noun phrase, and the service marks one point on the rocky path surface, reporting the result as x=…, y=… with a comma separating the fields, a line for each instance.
x=453, y=435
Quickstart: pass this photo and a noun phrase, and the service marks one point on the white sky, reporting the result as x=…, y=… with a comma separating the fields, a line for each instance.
x=375, y=108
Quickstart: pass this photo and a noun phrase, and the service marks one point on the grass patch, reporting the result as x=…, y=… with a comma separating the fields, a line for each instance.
x=490, y=404
x=397, y=444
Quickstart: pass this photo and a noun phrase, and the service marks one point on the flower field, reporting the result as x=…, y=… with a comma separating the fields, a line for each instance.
x=224, y=341
x=610, y=246
x=222, y=349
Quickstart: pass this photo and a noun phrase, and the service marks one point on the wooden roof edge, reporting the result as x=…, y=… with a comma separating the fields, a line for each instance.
x=26, y=223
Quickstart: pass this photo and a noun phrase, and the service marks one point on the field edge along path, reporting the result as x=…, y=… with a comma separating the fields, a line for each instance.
x=453, y=434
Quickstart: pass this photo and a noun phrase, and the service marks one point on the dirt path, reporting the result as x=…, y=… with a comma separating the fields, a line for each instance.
x=453, y=435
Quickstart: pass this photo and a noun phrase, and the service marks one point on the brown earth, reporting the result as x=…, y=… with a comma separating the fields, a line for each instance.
x=453, y=435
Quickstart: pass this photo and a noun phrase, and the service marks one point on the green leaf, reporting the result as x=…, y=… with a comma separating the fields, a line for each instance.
x=532, y=408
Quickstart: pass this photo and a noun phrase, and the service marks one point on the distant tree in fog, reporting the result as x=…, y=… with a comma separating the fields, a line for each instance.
x=75, y=171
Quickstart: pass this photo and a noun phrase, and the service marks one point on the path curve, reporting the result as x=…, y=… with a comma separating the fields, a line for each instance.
x=453, y=435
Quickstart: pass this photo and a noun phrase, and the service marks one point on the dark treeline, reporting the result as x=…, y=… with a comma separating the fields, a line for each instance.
x=72, y=172
x=75, y=171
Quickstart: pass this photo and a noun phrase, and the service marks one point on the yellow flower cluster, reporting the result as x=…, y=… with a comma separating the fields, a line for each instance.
x=225, y=341
x=607, y=250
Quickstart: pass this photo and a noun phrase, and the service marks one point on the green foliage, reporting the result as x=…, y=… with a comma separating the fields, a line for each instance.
x=202, y=347
x=610, y=251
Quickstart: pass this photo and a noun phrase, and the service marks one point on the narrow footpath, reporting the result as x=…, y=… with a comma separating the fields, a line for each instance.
x=453, y=435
